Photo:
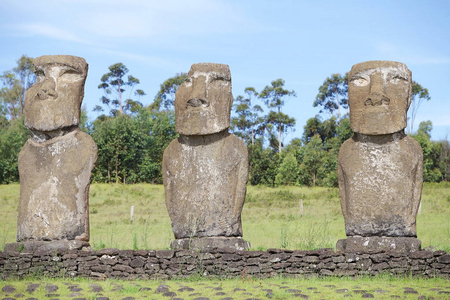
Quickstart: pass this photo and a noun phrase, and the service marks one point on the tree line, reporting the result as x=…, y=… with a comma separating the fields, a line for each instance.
x=131, y=137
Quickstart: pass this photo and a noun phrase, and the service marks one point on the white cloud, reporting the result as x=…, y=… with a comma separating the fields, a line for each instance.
x=393, y=52
x=163, y=18
x=46, y=30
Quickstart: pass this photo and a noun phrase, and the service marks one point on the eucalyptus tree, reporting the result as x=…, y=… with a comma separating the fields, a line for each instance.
x=247, y=122
x=274, y=98
x=166, y=95
x=333, y=95
x=115, y=84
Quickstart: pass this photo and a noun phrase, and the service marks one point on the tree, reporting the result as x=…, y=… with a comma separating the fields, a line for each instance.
x=12, y=139
x=418, y=94
x=247, y=122
x=287, y=171
x=24, y=72
x=263, y=165
x=130, y=147
x=312, y=157
x=431, y=153
x=10, y=95
x=15, y=84
x=333, y=95
x=274, y=96
x=426, y=127
x=114, y=87
x=166, y=95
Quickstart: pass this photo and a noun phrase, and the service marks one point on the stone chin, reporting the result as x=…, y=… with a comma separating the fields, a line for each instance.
x=51, y=116
x=377, y=121
x=200, y=123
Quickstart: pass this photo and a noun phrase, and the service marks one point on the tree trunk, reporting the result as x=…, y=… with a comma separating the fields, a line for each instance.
x=117, y=170
x=279, y=134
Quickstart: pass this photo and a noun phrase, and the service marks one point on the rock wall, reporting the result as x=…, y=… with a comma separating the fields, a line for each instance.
x=145, y=264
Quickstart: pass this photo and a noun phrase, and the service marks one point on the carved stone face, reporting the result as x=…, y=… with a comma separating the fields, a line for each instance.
x=203, y=102
x=54, y=101
x=379, y=96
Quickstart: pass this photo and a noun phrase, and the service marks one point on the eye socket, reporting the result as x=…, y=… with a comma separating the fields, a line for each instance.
x=219, y=77
x=40, y=74
x=70, y=72
x=188, y=80
x=397, y=79
x=360, y=81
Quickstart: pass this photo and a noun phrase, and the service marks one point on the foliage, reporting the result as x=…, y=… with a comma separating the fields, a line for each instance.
x=418, y=94
x=274, y=97
x=114, y=86
x=15, y=84
x=287, y=171
x=263, y=165
x=130, y=148
x=166, y=94
x=12, y=139
x=247, y=123
x=333, y=95
x=434, y=168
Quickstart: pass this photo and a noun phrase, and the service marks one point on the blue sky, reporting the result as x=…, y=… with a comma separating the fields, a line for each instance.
x=302, y=42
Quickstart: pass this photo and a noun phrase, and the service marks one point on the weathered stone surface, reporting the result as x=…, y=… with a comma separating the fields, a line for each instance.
x=205, y=170
x=366, y=244
x=210, y=243
x=55, y=164
x=54, y=190
x=181, y=263
x=54, y=101
x=203, y=102
x=380, y=168
x=46, y=246
x=379, y=95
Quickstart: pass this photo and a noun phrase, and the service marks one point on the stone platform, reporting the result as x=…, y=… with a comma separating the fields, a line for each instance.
x=205, y=244
x=376, y=243
x=45, y=246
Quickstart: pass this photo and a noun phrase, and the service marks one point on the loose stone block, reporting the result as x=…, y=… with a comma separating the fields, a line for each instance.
x=55, y=164
x=380, y=169
x=205, y=170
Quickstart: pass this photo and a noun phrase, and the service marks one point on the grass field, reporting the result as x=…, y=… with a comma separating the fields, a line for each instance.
x=380, y=287
x=271, y=217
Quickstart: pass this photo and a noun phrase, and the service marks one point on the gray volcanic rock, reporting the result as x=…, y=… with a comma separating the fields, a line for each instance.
x=205, y=170
x=380, y=169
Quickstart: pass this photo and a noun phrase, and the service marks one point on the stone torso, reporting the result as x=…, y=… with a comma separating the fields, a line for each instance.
x=380, y=183
x=55, y=179
x=205, y=184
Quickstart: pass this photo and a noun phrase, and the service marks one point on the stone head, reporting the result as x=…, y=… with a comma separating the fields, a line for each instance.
x=379, y=95
x=203, y=102
x=54, y=101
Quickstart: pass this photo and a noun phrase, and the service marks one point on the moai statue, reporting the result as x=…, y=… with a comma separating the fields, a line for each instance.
x=380, y=168
x=55, y=164
x=205, y=170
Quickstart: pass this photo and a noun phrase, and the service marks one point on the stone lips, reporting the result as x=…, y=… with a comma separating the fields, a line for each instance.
x=54, y=191
x=54, y=101
x=205, y=185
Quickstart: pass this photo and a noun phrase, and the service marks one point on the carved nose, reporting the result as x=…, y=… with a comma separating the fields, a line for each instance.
x=196, y=102
x=47, y=90
x=376, y=99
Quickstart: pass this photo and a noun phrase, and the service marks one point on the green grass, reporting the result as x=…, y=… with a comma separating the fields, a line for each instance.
x=271, y=217
x=382, y=287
